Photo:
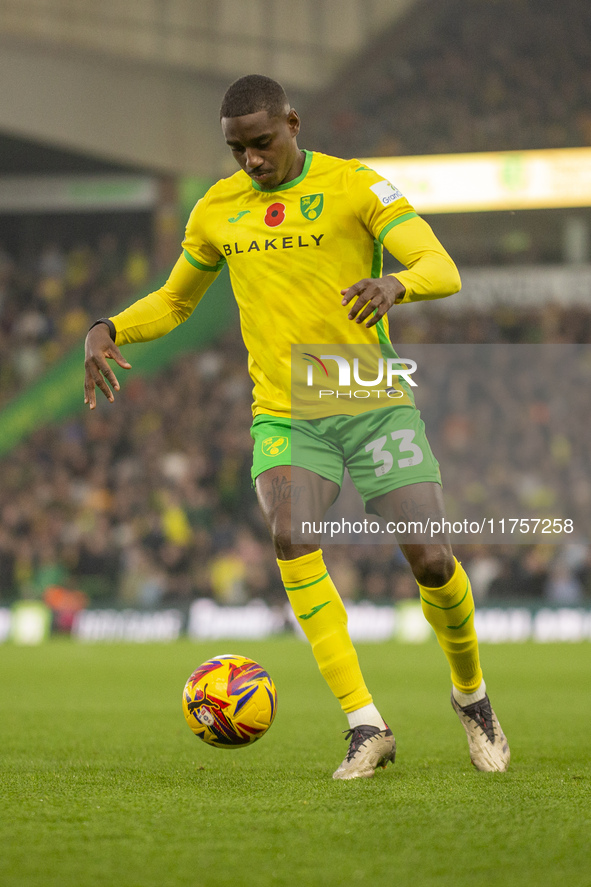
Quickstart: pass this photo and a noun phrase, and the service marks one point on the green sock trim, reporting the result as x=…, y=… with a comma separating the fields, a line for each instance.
x=297, y=587
x=462, y=623
x=453, y=606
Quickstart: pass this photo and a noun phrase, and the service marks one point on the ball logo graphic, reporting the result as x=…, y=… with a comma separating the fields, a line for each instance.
x=275, y=215
x=273, y=446
x=229, y=701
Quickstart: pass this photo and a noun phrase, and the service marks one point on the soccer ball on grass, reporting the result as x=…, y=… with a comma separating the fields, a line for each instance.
x=229, y=701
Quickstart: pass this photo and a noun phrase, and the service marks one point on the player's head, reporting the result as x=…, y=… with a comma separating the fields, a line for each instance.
x=254, y=93
x=261, y=128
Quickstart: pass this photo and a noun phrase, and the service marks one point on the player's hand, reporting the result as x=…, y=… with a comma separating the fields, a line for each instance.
x=373, y=295
x=99, y=346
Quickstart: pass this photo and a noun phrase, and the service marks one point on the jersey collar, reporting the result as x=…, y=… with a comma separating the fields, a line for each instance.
x=294, y=182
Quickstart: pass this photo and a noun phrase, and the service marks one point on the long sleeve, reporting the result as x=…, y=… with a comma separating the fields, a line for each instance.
x=163, y=310
x=431, y=274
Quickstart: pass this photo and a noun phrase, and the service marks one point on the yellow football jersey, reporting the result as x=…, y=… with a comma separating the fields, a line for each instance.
x=290, y=252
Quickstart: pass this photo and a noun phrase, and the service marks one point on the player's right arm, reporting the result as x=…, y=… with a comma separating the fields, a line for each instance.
x=148, y=318
x=159, y=312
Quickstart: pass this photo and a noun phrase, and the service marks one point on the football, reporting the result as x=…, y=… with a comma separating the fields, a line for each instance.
x=229, y=701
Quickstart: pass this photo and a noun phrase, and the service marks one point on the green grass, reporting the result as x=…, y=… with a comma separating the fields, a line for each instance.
x=102, y=783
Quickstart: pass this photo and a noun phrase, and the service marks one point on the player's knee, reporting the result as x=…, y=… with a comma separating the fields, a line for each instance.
x=282, y=543
x=433, y=565
x=284, y=548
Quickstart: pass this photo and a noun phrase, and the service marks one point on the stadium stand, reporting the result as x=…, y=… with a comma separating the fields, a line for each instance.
x=149, y=501
x=463, y=76
x=46, y=305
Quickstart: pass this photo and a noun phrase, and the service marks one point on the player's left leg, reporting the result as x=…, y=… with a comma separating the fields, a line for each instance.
x=448, y=605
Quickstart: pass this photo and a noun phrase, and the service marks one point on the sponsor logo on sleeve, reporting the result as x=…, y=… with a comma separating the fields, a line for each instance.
x=385, y=192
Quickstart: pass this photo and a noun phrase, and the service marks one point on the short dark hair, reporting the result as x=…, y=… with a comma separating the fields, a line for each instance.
x=254, y=93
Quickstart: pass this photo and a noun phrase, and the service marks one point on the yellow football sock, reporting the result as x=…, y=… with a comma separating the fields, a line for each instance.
x=450, y=611
x=323, y=618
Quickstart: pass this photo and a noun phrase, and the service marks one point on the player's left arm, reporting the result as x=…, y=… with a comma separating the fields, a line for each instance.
x=431, y=273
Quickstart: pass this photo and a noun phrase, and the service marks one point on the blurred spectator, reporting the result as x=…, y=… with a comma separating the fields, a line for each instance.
x=563, y=588
x=533, y=572
x=52, y=262
x=483, y=568
x=405, y=587
x=64, y=603
x=137, y=264
x=142, y=581
x=228, y=578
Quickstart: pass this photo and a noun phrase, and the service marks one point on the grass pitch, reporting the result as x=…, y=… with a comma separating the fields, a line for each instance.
x=103, y=784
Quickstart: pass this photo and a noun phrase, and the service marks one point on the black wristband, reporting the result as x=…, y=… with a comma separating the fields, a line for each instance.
x=110, y=324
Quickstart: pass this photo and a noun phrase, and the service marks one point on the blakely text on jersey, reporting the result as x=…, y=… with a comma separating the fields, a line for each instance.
x=287, y=242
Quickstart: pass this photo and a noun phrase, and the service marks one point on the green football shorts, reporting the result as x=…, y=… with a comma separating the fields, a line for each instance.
x=382, y=449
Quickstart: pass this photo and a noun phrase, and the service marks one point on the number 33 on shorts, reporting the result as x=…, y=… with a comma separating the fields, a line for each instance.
x=384, y=458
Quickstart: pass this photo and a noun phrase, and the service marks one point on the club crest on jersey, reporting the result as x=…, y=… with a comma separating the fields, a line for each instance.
x=311, y=206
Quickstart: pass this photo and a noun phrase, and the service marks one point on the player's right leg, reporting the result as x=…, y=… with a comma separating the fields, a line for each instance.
x=318, y=607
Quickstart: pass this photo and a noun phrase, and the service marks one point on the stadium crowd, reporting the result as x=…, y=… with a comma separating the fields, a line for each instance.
x=464, y=76
x=47, y=303
x=149, y=501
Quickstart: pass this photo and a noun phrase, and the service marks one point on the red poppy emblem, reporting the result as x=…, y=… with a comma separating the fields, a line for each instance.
x=275, y=215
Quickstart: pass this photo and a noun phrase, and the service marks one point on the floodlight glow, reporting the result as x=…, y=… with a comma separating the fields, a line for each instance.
x=503, y=180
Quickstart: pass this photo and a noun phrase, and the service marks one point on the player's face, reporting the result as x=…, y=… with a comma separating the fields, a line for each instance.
x=265, y=147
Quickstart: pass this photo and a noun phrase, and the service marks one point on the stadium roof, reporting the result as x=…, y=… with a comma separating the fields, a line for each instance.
x=302, y=43
x=140, y=84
